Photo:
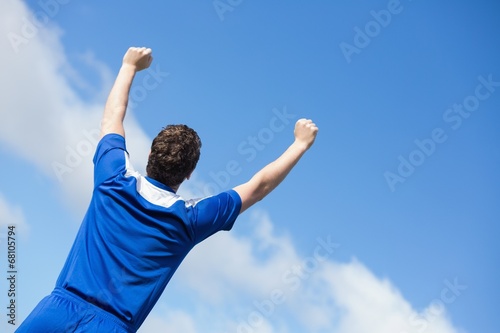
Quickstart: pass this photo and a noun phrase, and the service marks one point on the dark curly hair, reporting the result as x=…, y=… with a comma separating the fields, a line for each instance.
x=174, y=154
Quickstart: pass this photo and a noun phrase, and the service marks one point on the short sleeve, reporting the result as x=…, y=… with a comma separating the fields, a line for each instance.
x=109, y=159
x=215, y=213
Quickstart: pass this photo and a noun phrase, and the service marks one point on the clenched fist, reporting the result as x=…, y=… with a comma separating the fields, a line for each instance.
x=138, y=57
x=305, y=132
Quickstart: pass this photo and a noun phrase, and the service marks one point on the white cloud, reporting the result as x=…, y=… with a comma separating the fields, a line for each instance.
x=259, y=283
x=170, y=320
x=372, y=304
x=256, y=283
x=237, y=256
x=11, y=214
x=44, y=119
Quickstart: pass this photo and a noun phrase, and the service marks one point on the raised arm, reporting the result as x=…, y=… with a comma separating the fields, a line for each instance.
x=136, y=59
x=267, y=179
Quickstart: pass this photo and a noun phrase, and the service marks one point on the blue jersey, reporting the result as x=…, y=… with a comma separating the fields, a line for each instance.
x=135, y=234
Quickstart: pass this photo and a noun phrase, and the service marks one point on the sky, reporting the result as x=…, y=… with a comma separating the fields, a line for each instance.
x=390, y=221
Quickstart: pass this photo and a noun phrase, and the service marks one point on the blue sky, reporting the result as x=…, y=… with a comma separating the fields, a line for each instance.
x=403, y=176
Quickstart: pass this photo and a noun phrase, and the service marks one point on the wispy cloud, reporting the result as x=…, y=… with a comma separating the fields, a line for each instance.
x=260, y=282
x=45, y=119
x=170, y=320
x=11, y=215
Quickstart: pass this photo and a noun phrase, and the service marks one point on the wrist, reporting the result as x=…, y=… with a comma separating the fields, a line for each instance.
x=128, y=68
x=300, y=145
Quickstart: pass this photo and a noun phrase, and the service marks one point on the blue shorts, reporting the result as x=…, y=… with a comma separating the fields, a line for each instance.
x=65, y=312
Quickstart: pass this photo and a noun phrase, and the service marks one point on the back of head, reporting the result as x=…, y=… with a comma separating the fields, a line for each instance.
x=174, y=154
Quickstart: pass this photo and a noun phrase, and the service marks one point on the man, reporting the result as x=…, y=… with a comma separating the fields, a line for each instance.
x=137, y=230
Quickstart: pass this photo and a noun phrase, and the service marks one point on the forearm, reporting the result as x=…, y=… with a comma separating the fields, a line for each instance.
x=116, y=105
x=269, y=177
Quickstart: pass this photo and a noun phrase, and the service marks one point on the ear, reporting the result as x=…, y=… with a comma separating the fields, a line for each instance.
x=189, y=176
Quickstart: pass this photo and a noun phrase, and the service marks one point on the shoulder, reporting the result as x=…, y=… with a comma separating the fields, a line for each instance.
x=108, y=143
x=110, y=158
x=226, y=197
x=112, y=139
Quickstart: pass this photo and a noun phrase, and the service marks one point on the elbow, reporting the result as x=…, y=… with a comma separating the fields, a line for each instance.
x=262, y=190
